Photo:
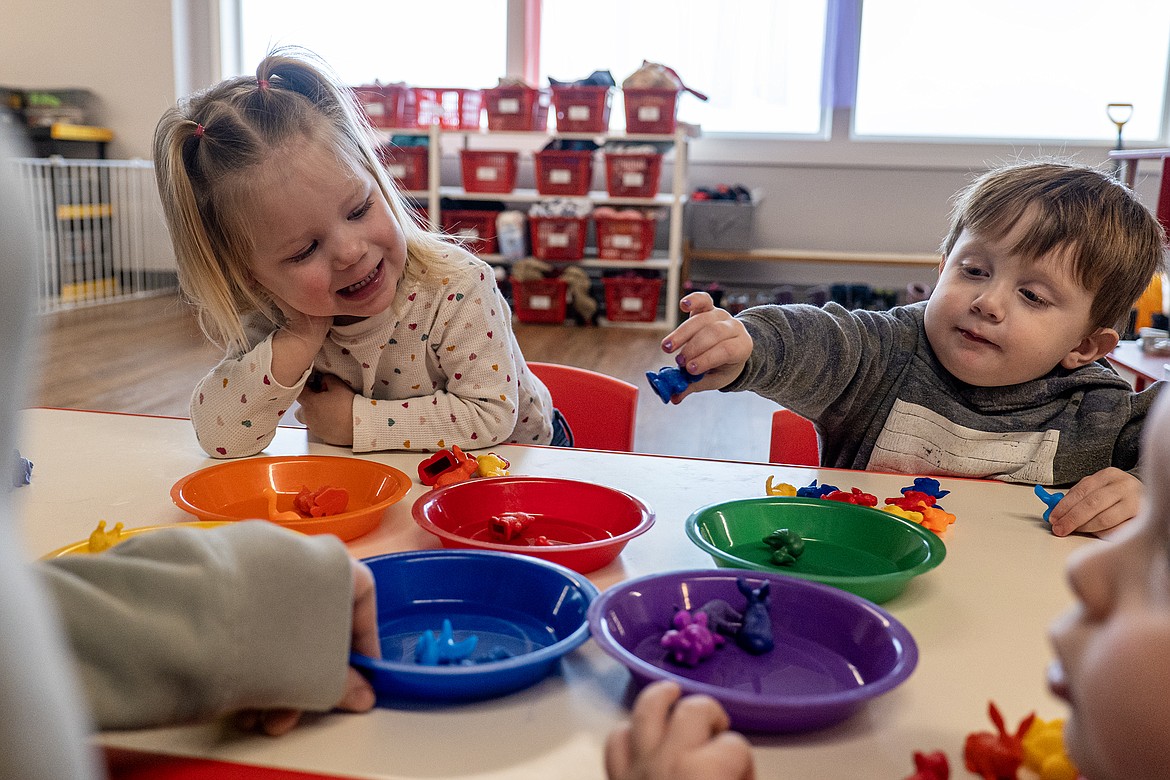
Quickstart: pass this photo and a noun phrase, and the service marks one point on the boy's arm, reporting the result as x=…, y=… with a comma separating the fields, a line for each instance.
x=1098, y=503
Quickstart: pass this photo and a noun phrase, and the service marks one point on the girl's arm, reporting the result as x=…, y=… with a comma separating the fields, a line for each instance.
x=235, y=408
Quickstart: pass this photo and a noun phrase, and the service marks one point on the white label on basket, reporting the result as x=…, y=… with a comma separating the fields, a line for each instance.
x=468, y=233
x=632, y=303
x=648, y=114
x=578, y=113
x=508, y=106
x=560, y=176
x=633, y=179
x=397, y=171
x=375, y=109
x=487, y=173
x=621, y=241
x=540, y=302
x=558, y=239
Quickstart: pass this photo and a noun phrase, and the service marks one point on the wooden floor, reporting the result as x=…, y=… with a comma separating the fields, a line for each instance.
x=145, y=356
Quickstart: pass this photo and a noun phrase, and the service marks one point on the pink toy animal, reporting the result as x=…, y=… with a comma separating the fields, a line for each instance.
x=690, y=641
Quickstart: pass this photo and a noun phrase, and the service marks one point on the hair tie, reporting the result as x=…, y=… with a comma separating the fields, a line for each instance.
x=262, y=84
x=198, y=131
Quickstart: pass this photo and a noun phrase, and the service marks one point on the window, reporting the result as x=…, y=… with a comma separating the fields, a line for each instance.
x=1004, y=69
x=453, y=43
x=759, y=61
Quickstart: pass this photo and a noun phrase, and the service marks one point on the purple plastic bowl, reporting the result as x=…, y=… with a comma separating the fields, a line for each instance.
x=834, y=650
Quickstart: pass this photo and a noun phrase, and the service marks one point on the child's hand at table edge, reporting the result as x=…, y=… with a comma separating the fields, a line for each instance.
x=357, y=695
x=710, y=341
x=1098, y=503
x=669, y=738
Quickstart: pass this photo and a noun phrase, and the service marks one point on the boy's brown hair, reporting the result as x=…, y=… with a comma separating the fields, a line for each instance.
x=1113, y=241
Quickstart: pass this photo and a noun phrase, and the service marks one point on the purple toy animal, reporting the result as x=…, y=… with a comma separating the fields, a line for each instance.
x=755, y=636
x=690, y=641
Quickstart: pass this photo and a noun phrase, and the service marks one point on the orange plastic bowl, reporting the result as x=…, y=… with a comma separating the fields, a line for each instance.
x=234, y=490
x=587, y=525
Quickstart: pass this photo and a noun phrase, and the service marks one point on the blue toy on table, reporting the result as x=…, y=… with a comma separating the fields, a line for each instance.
x=671, y=381
x=1051, y=499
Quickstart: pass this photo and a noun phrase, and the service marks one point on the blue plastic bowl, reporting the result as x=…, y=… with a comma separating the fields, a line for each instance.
x=530, y=610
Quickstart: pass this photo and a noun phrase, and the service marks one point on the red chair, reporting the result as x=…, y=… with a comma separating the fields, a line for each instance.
x=794, y=440
x=600, y=409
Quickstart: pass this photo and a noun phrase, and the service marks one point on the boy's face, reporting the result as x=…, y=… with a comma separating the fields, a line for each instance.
x=995, y=319
x=1113, y=649
x=325, y=240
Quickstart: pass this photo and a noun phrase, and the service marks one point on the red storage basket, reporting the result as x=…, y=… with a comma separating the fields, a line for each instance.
x=540, y=300
x=384, y=104
x=631, y=299
x=650, y=110
x=564, y=172
x=453, y=108
x=632, y=175
x=407, y=165
x=625, y=238
x=488, y=171
x=582, y=109
x=517, y=108
x=558, y=238
x=476, y=229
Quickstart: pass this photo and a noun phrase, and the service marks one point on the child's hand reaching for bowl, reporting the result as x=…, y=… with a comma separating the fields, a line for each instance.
x=357, y=695
x=710, y=342
x=671, y=738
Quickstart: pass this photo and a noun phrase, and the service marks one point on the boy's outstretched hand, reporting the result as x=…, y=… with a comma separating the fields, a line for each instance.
x=1097, y=503
x=709, y=342
x=669, y=738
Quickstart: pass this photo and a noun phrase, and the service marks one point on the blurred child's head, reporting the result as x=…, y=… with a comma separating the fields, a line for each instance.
x=1113, y=648
x=209, y=151
x=1042, y=262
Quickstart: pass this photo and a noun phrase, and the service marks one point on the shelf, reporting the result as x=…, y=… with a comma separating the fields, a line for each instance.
x=653, y=263
x=532, y=196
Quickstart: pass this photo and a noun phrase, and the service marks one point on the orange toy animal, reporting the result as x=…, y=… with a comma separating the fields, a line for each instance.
x=466, y=468
x=996, y=756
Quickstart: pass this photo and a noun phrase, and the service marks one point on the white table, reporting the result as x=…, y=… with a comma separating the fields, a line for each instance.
x=980, y=619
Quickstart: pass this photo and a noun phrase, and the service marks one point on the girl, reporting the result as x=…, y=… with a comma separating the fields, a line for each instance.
x=306, y=266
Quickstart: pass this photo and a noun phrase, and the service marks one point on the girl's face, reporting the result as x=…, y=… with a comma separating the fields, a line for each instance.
x=1113, y=649
x=325, y=241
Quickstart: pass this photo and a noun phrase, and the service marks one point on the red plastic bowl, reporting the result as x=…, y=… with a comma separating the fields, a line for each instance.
x=587, y=525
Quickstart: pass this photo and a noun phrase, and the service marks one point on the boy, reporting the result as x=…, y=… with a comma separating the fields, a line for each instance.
x=996, y=375
x=1111, y=665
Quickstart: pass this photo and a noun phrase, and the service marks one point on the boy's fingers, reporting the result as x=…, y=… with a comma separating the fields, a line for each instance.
x=618, y=753
x=694, y=721
x=727, y=755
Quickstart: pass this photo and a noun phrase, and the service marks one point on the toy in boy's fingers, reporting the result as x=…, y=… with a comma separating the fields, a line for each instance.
x=670, y=381
x=1050, y=500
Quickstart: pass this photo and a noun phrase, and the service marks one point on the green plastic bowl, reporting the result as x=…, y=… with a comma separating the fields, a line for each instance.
x=865, y=551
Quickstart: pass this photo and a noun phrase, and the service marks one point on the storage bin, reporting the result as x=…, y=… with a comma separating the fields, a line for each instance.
x=564, y=172
x=383, y=103
x=720, y=224
x=632, y=175
x=558, y=238
x=539, y=300
x=650, y=110
x=407, y=165
x=488, y=171
x=626, y=238
x=582, y=109
x=476, y=229
x=517, y=108
x=631, y=299
x=453, y=108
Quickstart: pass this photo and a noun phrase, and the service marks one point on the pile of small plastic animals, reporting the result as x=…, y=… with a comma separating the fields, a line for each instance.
x=446, y=467
x=1036, y=744
x=918, y=502
x=695, y=637
x=508, y=527
x=442, y=650
x=322, y=502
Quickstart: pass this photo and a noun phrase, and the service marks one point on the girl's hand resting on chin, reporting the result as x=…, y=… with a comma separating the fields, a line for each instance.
x=709, y=342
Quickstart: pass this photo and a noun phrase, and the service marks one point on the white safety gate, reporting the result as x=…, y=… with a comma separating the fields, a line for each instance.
x=100, y=229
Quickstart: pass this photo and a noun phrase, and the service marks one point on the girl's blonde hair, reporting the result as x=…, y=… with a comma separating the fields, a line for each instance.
x=205, y=151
